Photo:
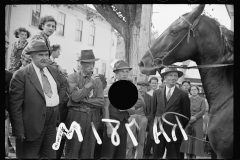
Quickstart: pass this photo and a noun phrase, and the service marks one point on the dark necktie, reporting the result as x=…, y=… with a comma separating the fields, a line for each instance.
x=46, y=85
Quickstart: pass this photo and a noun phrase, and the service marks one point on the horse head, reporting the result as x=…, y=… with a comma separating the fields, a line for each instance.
x=173, y=45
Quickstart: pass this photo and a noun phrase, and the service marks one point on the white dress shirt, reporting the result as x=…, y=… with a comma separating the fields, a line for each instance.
x=54, y=100
x=167, y=89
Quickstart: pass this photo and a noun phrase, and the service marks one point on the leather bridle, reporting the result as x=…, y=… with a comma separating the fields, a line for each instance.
x=191, y=28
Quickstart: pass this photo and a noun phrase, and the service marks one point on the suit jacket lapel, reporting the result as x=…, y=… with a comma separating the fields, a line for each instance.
x=53, y=72
x=32, y=75
x=174, y=97
x=162, y=100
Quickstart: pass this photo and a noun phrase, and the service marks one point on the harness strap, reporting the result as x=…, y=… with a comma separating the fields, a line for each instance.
x=191, y=27
x=199, y=66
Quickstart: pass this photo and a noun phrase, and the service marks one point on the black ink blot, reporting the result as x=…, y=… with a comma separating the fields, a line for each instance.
x=123, y=94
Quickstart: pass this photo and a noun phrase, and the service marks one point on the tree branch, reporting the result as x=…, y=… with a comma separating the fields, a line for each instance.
x=107, y=12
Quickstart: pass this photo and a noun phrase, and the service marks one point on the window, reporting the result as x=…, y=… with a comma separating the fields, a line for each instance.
x=104, y=68
x=92, y=35
x=61, y=24
x=79, y=30
x=36, y=10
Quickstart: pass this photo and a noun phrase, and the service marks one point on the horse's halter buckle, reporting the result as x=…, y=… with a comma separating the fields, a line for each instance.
x=191, y=28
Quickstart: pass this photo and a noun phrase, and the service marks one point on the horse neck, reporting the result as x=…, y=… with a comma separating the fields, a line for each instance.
x=218, y=81
x=217, y=84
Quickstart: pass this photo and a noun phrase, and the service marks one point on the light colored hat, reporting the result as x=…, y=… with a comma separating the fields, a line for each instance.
x=168, y=70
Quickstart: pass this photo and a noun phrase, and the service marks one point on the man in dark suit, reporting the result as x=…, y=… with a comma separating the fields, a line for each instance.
x=170, y=99
x=35, y=93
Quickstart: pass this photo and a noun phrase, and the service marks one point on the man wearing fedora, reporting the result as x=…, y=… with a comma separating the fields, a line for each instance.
x=85, y=102
x=142, y=121
x=121, y=70
x=170, y=99
x=35, y=93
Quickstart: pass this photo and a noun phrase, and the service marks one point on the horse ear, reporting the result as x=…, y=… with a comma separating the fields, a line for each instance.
x=196, y=12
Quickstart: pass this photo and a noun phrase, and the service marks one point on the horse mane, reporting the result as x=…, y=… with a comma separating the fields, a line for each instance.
x=224, y=46
x=226, y=38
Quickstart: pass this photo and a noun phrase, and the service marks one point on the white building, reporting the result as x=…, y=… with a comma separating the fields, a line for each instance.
x=76, y=31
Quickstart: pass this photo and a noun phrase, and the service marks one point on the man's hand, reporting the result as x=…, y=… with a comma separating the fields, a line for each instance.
x=89, y=85
x=21, y=137
x=192, y=119
x=109, y=130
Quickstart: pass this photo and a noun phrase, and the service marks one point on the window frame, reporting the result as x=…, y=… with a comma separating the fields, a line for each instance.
x=79, y=29
x=60, y=23
x=31, y=17
x=92, y=36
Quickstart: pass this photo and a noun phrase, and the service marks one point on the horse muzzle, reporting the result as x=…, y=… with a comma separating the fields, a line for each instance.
x=146, y=70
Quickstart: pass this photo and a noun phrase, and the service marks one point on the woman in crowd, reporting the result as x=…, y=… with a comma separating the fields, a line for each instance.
x=15, y=58
x=186, y=86
x=194, y=147
x=55, y=53
x=47, y=26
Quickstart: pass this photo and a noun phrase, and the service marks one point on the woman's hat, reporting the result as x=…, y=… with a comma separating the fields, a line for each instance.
x=121, y=64
x=87, y=56
x=168, y=70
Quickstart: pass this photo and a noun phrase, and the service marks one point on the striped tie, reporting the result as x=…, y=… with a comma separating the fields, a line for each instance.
x=46, y=85
x=169, y=94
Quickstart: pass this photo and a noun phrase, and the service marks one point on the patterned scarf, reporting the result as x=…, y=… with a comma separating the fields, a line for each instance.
x=19, y=45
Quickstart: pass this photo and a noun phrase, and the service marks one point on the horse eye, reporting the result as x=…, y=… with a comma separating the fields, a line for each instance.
x=173, y=32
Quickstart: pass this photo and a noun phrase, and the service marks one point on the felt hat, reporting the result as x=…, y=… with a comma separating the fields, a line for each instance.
x=121, y=64
x=36, y=45
x=87, y=56
x=143, y=83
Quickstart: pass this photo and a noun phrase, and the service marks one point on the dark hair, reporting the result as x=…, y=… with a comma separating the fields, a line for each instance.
x=16, y=32
x=186, y=82
x=194, y=85
x=45, y=19
x=153, y=78
x=56, y=47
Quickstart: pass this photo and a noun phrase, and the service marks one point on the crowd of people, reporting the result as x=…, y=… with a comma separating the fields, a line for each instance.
x=40, y=95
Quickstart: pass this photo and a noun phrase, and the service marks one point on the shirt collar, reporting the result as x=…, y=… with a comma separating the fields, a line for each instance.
x=172, y=89
x=37, y=69
x=195, y=99
x=44, y=34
